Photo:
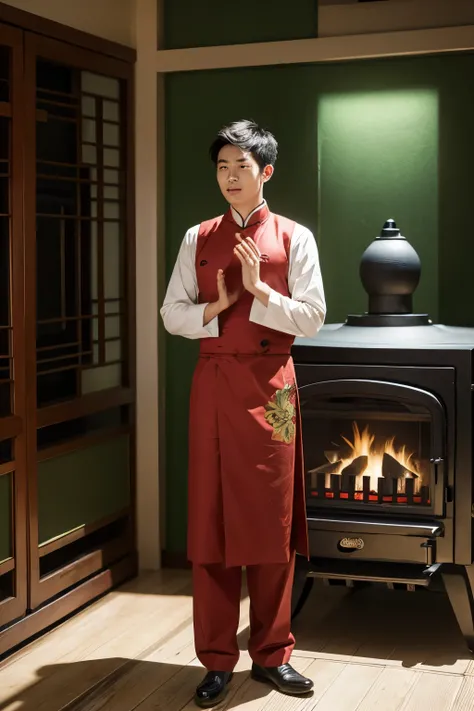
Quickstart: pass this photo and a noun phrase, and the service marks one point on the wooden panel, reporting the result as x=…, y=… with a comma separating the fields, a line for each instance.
x=54, y=583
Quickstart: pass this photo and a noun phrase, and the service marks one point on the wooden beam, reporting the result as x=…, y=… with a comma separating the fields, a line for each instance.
x=146, y=229
x=355, y=18
x=323, y=49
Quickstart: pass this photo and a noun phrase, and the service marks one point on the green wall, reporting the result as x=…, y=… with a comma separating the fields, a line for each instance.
x=359, y=142
x=82, y=487
x=189, y=23
x=378, y=157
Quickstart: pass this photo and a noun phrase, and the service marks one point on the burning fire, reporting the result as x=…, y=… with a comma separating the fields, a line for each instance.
x=367, y=459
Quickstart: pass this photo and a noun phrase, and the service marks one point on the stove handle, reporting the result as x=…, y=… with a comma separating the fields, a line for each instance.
x=436, y=462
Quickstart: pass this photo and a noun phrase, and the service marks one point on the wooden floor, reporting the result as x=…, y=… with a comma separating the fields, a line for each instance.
x=373, y=650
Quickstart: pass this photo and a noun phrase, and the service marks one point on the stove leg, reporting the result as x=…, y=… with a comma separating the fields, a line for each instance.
x=459, y=585
x=302, y=586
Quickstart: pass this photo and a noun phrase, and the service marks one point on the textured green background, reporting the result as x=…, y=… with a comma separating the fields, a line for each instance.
x=82, y=487
x=190, y=23
x=359, y=142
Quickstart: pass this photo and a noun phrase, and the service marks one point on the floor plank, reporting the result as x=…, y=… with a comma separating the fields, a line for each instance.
x=389, y=691
x=436, y=692
x=133, y=651
x=464, y=701
x=349, y=688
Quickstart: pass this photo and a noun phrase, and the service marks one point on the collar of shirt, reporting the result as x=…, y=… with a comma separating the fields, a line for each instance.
x=259, y=214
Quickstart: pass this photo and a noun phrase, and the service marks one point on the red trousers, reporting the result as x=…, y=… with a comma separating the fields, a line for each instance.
x=216, y=603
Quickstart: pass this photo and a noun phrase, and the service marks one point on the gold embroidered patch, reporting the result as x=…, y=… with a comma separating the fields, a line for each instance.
x=280, y=413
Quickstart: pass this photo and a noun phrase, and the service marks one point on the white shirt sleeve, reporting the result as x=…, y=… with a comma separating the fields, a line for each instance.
x=302, y=314
x=181, y=313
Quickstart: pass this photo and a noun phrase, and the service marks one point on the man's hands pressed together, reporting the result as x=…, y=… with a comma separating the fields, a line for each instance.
x=249, y=256
x=224, y=299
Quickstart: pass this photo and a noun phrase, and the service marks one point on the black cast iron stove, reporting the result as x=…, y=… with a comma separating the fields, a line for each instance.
x=387, y=412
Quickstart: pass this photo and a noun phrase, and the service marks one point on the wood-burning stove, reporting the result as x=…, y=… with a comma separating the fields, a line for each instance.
x=387, y=415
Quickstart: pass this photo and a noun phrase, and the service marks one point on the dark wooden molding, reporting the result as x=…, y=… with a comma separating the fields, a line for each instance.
x=86, y=405
x=11, y=427
x=63, y=51
x=7, y=566
x=170, y=559
x=88, y=564
x=7, y=468
x=81, y=532
x=55, y=30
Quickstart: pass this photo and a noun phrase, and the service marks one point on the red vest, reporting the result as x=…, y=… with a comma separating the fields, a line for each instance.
x=215, y=245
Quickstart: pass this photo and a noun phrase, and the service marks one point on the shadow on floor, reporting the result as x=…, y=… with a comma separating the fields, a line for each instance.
x=119, y=684
x=413, y=628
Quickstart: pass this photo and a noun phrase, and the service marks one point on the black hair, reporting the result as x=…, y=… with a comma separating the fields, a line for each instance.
x=247, y=136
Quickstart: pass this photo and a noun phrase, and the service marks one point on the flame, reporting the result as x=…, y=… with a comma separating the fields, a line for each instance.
x=363, y=445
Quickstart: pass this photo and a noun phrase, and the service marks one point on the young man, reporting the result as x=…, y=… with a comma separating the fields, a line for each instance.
x=245, y=284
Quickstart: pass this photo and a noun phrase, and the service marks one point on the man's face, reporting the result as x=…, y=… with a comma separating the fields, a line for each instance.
x=239, y=177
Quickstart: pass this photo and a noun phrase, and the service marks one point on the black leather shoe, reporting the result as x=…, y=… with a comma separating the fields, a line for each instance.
x=212, y=689
x=285, y=678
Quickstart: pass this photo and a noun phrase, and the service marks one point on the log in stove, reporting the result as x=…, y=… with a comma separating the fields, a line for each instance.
x=387, y=417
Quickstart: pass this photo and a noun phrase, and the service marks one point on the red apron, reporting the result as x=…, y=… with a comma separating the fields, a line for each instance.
x=246, y=501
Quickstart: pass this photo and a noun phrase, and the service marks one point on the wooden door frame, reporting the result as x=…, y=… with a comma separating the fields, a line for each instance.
x=43, y=589
x=14, y=427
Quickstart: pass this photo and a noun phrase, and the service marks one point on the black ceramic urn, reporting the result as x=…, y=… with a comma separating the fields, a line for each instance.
x=390, y=270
